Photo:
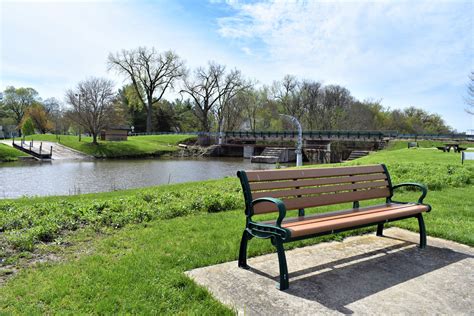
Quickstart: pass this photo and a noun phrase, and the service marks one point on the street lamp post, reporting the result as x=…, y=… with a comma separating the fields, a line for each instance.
x=221, y=133
x=299, y=145
x=79, y=97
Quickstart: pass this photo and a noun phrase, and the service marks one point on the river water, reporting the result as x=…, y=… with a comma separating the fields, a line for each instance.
x=76, y=177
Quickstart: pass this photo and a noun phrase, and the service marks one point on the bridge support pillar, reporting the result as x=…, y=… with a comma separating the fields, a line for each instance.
x=248, y=151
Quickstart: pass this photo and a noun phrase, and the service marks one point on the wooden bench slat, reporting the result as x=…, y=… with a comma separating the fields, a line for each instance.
x=255, y=186
x=272, y=175
x=324, y=199
x=333, y=214
x=323, y=189
x=352, y=213
x=340, y=223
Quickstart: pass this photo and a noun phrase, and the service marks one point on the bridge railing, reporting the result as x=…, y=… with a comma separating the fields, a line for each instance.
x=320, y=134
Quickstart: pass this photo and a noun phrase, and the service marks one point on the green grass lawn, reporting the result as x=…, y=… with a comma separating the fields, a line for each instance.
x=135, y=146
x=139, y=269
x=402, y=144
x=126, y=251
x=436, y=169
x=8, y=153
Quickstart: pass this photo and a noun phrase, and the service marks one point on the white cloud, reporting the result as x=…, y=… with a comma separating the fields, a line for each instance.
x=398, y=50
x=53, y=45
x=404, y=52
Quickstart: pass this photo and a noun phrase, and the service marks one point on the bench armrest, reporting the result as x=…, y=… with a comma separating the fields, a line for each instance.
x=279, y=203
x=422, y=187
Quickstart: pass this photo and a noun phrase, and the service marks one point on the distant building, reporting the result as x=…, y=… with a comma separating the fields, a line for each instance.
x=115, y=133
x=8, y=131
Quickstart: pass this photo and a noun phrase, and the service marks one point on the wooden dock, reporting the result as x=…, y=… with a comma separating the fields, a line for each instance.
x=34, y=149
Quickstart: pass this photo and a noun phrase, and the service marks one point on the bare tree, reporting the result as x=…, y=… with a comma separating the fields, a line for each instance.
x=92, y=104
x=151, y=73
x=227, y=89
x=470, y=94
x=288, y=93
x=211, y=90
x=335, y=102
x=311, y=93
x=254, y=102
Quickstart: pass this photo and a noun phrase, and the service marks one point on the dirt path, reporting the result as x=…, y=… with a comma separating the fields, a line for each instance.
x=60, y=152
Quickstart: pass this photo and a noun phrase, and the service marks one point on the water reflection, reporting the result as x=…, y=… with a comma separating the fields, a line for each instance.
x=75, y=177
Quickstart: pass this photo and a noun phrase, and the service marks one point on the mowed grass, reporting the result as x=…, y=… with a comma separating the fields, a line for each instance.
x=8, y=153
x=135, y=146
x=434, y=168
x=139, y=268
x=401, y=144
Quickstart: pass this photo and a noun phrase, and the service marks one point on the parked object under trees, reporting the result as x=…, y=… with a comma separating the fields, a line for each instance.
x=92, y=104
x=151, y=73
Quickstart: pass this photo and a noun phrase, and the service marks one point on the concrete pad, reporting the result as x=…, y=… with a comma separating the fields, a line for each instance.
x=361, y=275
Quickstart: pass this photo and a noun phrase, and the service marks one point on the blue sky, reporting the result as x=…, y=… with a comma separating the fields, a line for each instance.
x=405, y=53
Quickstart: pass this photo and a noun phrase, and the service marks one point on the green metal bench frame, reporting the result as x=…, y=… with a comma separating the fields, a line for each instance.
x=280, y=235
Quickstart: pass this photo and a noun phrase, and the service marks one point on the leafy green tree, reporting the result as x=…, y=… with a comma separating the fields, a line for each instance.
x=17, y=100
x=28, y=127
x=37, y=114
x=135, y=113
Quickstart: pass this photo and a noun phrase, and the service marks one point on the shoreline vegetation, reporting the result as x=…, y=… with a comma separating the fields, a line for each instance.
x=126, y=251
x=134, y=147
x=8, y=154
x=152, y=146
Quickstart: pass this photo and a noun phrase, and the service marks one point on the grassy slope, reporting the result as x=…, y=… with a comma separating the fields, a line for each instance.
x=401, y=144
x=140, y=268
x=436, y=169
x=135, y=146
x=8, y=153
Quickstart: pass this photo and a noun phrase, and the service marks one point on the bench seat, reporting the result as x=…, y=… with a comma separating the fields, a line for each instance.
x=327, y=222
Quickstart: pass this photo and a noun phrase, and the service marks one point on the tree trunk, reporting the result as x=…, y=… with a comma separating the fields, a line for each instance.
x=94, y=139
x=205, y=122
x=149, y=114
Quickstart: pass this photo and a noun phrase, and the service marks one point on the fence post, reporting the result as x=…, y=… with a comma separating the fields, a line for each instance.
x=41, y=147
x=51, y=152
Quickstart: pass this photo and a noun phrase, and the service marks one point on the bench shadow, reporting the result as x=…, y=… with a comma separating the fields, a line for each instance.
x=339, y=283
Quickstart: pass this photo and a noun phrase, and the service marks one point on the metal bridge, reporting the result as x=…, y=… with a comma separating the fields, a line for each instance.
x=323, y=135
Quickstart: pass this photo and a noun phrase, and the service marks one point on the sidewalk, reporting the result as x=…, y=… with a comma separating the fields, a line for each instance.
x=361, y=275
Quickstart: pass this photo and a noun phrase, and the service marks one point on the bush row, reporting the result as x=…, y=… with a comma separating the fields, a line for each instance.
x=435, y=177
x=24, y=224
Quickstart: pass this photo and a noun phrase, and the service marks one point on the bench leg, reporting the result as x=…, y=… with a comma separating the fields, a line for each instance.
x=380, y=230
x=243, y=250
x=284, y=280
x=421, y=224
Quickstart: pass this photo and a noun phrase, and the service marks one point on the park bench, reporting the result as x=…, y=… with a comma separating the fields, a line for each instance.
x=297, y=189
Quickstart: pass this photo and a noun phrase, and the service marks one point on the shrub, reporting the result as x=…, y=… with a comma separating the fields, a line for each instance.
x=25, y=224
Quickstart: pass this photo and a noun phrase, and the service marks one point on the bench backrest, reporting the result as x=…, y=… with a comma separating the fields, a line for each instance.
x=303, y=188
